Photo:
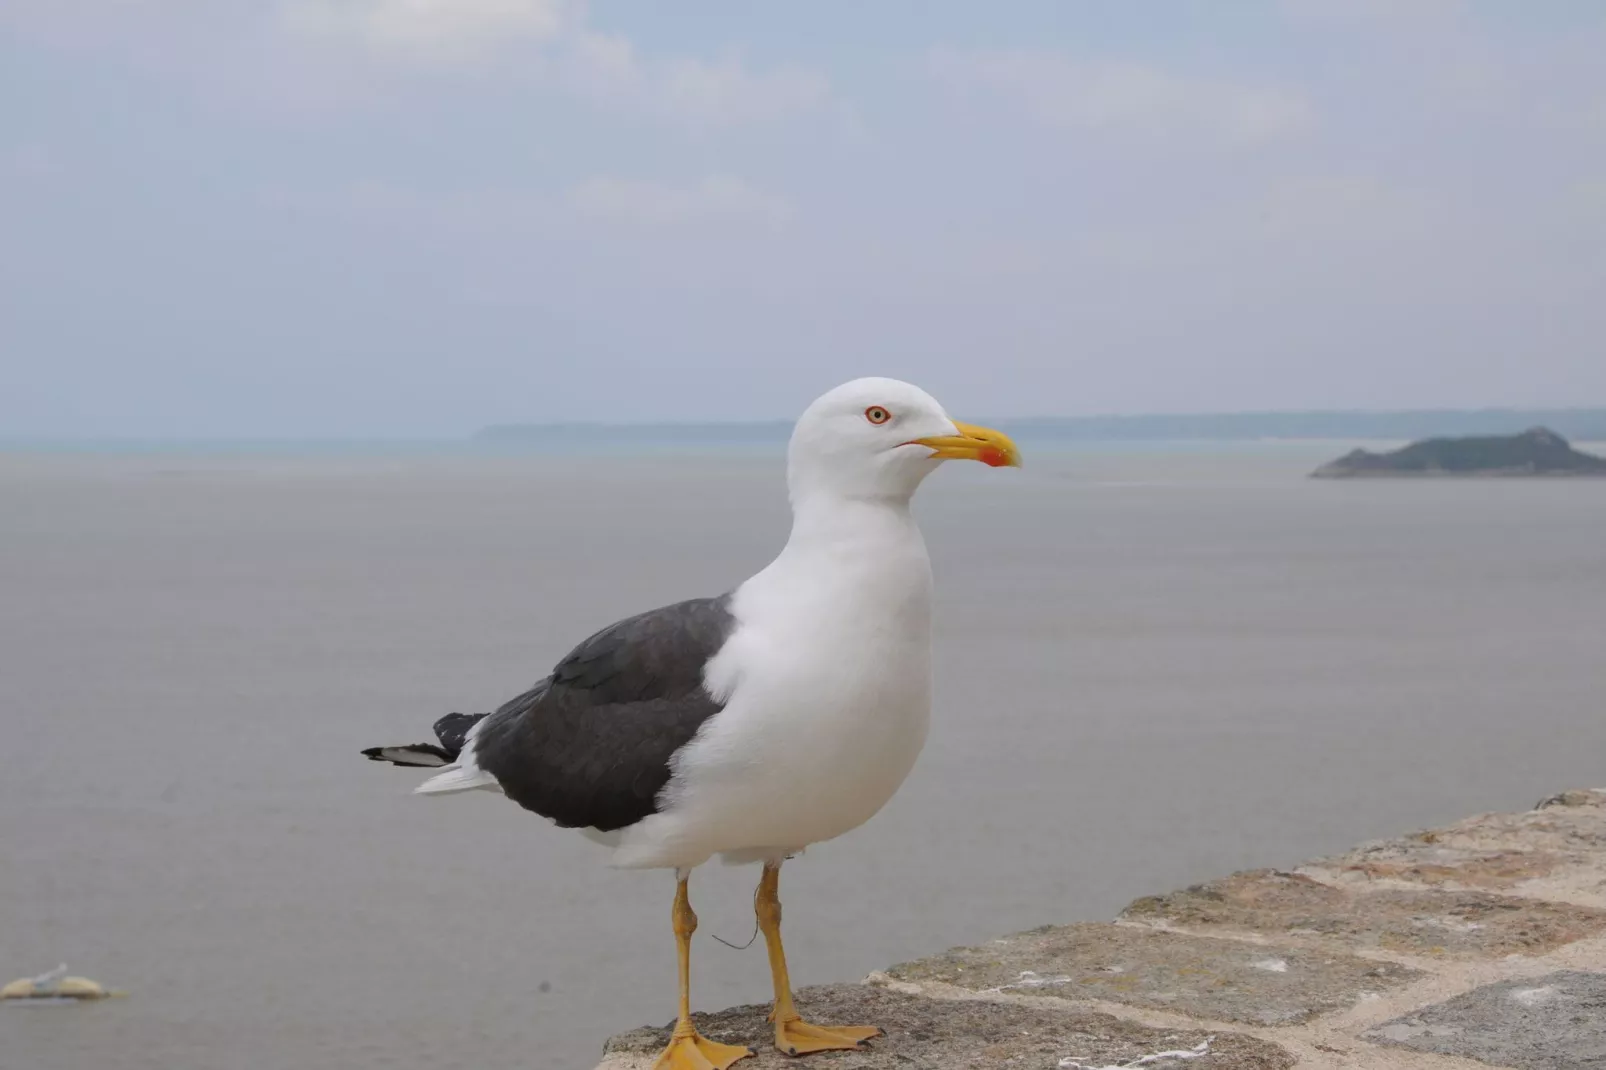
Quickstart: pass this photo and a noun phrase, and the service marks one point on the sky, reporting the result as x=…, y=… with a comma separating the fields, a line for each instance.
x=418, y=217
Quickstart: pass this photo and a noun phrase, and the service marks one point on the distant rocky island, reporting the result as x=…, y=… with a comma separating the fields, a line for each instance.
x=1535, y=452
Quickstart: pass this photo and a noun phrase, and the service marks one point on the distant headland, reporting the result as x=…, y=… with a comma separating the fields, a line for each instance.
x=1398, y=426
x=1535, y=452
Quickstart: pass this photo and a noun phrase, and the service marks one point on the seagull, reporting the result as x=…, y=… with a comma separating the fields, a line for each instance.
x=754, y=724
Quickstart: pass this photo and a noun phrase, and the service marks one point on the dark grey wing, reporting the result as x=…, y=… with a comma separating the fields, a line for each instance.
x=589, y=747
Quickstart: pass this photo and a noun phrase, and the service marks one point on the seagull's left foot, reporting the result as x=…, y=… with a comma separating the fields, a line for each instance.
x=797, y=1037
x=690, y=1050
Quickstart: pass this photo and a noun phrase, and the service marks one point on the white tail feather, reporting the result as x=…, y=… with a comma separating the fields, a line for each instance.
x=463, y=774
x=455, y=778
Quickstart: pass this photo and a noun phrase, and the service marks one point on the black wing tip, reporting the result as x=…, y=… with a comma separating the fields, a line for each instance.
x=394, y=755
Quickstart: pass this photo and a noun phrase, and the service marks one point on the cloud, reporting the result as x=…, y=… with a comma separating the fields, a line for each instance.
x=726, y=93
x=480, y=213
x=1588, y=202
x=27, y=162
x=605, y=68
x=1124, y=98
x=1397, y=13
x=603, y=65
x=717, y=199
x=488, y=211
x=431, y=30
x=1323, y=222
x=692, y=92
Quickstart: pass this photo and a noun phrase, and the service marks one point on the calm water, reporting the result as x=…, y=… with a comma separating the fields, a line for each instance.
x=1156, y=666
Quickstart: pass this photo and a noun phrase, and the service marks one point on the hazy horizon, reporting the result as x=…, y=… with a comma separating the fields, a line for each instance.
x=1577, y=422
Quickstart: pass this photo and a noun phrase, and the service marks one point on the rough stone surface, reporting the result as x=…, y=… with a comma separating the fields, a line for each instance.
x=924, y=1034
x=1567, y=832
x=1301, y=962
x=1218, y=979
x=1426, y=922
x=1576, y=797
x=1425, y=863
x=1555, y=1022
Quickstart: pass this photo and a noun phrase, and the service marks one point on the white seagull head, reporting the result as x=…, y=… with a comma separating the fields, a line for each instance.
x=879, y=438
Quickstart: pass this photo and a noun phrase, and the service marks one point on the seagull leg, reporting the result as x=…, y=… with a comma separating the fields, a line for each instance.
x=689, y=1049
x=793, y=1035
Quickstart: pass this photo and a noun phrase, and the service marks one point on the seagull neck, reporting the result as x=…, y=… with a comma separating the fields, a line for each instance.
x=831, y=520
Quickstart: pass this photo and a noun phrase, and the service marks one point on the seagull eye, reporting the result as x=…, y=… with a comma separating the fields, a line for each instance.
x=877, y=415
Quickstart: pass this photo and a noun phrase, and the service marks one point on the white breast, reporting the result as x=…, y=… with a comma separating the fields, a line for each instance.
x=827, y=684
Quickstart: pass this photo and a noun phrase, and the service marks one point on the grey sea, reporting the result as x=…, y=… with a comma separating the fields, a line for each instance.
x=1157, y=664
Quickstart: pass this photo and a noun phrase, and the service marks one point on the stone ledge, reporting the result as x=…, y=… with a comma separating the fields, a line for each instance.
x=1221, y=980
x=1479, y=945
x=1542, y=1023
x=1556, y=851
x=1428, y=922
x=926, y=1034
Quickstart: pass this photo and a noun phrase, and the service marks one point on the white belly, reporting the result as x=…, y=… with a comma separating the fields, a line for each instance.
x=768, y=779
x=828, y=689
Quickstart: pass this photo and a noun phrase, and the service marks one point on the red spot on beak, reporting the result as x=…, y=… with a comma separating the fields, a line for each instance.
x=993, y=457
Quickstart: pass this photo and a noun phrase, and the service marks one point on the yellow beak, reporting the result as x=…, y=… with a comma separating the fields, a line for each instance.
x=974, y=443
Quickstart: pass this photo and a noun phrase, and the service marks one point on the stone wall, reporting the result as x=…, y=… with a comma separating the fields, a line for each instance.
x=1474, y=946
